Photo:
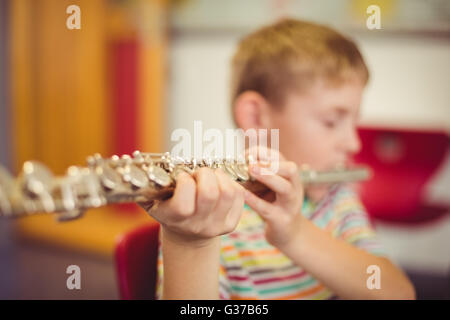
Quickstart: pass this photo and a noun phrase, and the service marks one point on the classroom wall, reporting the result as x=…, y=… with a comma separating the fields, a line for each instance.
x=409, y=86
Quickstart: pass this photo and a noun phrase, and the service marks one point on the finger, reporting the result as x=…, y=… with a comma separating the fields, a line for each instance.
x=182, y=202
x=282, y=187
x=228, y=192
x=285, y=169
x=207, y=192
x=260, y=153
x=265, y=209
x=289, y=171
x=235, y=213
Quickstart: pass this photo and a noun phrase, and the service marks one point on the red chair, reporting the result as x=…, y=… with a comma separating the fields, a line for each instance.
x=136, y=256
x=403, y=161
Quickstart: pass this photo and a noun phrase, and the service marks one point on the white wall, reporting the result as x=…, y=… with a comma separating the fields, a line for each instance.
x=409, y=87
x=198, y=87
x=410, y=83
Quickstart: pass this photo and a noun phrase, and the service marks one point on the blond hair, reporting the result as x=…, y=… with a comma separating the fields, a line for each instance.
x=291, y=55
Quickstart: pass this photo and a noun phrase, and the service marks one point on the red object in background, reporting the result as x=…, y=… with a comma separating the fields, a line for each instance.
x=124, y=100
x=124, y=95
x=136, y=257
x=402, y=162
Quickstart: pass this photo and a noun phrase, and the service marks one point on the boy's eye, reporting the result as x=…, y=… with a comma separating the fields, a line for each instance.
x=330, y=123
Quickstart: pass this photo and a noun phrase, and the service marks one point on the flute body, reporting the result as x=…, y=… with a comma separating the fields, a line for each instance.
x=139, y=178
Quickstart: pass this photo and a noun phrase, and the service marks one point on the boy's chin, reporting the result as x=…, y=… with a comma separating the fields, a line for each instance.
x=317, y=193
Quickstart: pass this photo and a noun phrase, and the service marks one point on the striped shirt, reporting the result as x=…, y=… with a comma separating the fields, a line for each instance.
x=251, y=268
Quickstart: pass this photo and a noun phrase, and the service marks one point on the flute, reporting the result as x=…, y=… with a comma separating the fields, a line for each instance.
x=141, y=177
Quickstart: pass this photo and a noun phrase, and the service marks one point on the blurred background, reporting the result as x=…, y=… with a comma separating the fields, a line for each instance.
x=138, y=69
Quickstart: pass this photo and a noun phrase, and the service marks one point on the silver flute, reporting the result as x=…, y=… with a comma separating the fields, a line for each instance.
x=142, y=177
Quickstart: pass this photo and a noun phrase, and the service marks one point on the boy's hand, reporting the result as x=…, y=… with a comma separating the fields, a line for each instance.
x=281, y=208
x=203, y=206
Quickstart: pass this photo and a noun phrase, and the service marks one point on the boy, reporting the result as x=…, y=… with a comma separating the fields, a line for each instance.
x=306, y=80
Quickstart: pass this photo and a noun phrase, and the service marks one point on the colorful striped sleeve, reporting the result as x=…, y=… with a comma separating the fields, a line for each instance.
x=159, y=277
x=224, y=285
x=352, y=223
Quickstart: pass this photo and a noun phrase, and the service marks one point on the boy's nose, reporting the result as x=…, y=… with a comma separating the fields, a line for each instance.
x=353, y=142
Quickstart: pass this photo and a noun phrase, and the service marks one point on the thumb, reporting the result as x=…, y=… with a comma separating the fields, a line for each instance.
x=148, y=206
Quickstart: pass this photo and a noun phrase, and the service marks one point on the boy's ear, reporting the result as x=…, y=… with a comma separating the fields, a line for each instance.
x=251, y=110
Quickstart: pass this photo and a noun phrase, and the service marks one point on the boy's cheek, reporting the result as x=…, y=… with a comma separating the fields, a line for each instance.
x=317, y=154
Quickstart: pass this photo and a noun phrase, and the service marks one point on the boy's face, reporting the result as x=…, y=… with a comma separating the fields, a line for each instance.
x=318, y=127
